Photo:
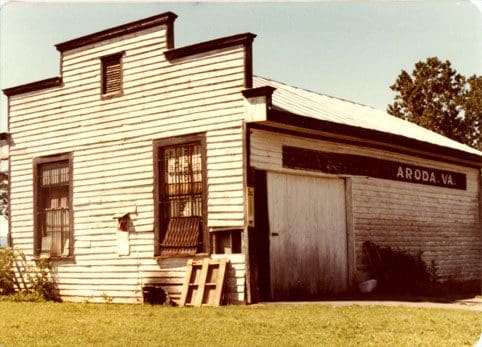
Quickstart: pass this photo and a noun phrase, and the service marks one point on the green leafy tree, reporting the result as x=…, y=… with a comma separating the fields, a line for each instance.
x=437, y=97
x=473, y=111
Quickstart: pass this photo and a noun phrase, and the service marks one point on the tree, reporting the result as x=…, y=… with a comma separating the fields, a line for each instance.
x=437, y=97
x=3, y=194
x=473, y=111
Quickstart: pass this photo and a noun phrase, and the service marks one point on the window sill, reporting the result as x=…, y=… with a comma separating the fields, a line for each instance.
x=180, y=256
x=69, y=258
x=111, y=95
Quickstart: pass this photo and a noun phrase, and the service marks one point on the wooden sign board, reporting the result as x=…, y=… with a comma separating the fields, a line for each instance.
x=357, y=165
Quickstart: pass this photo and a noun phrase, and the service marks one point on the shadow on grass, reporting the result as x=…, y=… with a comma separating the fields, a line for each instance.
x=444, y=296
x=401, y=276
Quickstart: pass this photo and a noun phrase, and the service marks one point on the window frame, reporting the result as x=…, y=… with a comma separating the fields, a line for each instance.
x=158, y=145
x=37, y=200
x=103, y=60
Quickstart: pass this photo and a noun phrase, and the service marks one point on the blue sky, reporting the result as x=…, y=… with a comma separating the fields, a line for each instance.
x=351, y=50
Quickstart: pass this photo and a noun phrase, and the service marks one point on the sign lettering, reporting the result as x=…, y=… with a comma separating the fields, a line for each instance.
x=350, y=164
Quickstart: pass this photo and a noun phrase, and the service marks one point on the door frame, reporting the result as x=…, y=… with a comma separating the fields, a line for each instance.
x=259, y=240
x=259, y=250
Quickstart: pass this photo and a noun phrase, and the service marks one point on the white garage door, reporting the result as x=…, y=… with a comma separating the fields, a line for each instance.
x=308, y=246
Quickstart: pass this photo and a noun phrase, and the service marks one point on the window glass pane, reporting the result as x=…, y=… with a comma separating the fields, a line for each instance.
x=53, y=175
x=53, y=209
x=56, y=231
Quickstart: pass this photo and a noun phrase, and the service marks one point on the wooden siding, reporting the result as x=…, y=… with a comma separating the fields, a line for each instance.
x=111, y=142
x=443, y=224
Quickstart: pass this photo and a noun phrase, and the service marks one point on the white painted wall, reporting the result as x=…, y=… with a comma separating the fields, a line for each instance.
x=111, y=142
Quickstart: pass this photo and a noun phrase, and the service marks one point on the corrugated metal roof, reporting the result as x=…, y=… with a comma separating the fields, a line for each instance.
x=318, y=106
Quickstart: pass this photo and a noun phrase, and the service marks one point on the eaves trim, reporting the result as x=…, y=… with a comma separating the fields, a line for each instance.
x=387, y=141
x=206, y=46
x=146, y=23
x=33, y=86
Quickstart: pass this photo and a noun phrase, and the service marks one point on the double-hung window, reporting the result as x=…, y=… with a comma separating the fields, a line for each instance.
x=180, y=196
x=53, y=235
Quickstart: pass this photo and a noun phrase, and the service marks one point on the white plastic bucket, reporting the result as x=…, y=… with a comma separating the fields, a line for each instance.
x=367, y=286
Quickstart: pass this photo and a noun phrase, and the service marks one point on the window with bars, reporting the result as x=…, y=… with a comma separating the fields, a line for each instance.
x=53, y=231
x=180, y=198
x=112, y=75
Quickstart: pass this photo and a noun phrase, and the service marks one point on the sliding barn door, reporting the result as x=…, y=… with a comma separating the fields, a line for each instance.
x=308, y=250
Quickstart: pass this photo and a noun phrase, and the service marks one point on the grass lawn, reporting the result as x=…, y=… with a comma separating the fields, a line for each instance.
x=68, y=324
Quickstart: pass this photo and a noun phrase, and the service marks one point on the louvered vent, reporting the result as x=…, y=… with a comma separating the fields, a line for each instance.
x=112, y=74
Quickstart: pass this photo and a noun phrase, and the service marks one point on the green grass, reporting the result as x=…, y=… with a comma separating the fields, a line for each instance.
x=68, y=324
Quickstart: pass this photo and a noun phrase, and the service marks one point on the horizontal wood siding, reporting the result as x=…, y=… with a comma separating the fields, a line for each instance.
x=443, y=224
x=111, y=142
x=123, y=281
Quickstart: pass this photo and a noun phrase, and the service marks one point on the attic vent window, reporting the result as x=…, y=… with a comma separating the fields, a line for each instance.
x=112, y=75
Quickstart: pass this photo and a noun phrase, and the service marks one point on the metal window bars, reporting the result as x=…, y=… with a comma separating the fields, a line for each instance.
x=181, y=198
x=183, y=181
x=53, y=213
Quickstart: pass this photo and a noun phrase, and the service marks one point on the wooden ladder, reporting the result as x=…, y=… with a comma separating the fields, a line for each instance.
x=21, y=273
x=203, y=284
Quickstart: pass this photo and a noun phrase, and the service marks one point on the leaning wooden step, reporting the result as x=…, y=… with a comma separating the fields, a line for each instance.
x=203, y=284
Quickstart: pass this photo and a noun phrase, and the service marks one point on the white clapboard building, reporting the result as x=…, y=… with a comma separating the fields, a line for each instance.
x=142, y=155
